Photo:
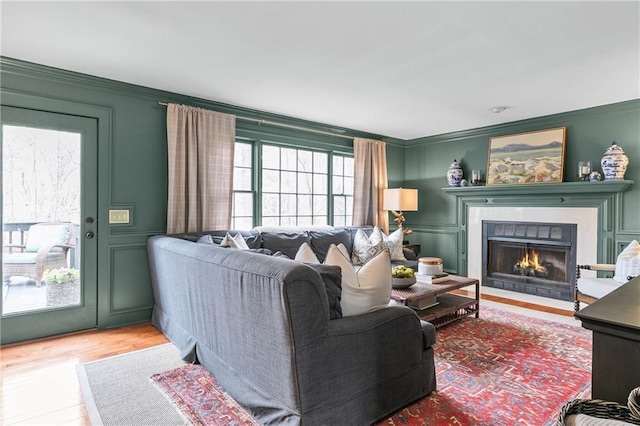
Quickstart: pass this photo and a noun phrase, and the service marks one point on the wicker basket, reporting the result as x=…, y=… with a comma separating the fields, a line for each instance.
x=63, y=294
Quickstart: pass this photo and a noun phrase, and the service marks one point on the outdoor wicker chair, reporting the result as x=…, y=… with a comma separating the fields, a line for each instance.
x=46, y=247
x=596, y=411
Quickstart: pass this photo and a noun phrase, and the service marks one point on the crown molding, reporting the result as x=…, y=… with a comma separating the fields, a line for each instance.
x=11, y=66
x=553, y=120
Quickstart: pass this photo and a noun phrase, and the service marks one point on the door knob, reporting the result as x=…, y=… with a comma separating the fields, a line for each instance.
x=89, y=220
x=89, y=235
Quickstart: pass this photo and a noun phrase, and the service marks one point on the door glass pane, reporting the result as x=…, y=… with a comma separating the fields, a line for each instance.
x=41, y=219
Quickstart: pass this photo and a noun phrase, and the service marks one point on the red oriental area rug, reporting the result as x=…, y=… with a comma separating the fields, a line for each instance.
x=500, y=369
x=200, y=398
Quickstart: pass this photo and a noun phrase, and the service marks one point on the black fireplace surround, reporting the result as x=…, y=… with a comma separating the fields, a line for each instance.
x=530, y=257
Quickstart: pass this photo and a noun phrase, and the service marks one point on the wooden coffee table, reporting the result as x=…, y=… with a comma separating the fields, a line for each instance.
x=435, y=304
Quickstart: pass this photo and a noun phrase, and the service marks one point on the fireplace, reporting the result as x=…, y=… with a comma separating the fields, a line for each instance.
x=530, y=257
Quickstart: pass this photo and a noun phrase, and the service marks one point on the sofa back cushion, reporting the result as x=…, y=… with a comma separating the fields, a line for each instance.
x=286, y=242
x=320, y=241
x=208, y=239
x=253, y=239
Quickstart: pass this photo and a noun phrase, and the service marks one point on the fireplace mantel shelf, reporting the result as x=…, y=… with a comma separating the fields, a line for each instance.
x=541, y=189
x=595, y=213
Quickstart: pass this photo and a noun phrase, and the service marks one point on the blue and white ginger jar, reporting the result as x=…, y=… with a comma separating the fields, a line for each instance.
x=614, y=163
x=454, y=174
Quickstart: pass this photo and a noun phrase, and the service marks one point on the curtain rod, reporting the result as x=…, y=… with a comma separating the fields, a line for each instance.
x=288, y=126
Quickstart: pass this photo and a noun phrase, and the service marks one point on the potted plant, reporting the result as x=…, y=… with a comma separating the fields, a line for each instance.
x=63, y=286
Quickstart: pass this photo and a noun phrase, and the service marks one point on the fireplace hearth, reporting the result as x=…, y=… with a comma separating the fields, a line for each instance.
x=530, y=257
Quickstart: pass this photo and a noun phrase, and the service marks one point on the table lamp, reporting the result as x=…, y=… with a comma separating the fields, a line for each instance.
x=397, y=200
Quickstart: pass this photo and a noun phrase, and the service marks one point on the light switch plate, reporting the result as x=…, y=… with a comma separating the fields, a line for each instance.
x=118, y=216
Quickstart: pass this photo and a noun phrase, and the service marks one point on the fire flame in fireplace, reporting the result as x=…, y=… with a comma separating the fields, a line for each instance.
x=531, y=262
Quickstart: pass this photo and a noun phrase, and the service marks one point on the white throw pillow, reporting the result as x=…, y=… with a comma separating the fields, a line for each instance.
x=343, y=250
x=305, y=254
x=628, y=262
x=364, y=248
x=368, y=289
x=236, y=242
x=393, y=242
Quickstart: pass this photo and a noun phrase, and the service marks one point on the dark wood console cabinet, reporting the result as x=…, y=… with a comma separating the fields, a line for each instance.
x=615, y=322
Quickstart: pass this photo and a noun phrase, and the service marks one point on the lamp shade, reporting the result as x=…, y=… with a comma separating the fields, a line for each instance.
x=402, y=199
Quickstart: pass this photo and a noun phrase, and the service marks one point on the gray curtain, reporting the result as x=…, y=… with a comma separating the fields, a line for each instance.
x=200, y=153
x=369, y=183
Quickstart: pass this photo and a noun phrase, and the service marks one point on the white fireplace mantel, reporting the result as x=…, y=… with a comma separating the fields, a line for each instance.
x=591, y=205
x=586, y=219
x=564, y=188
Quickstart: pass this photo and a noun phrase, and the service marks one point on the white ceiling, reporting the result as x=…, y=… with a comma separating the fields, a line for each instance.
x=400, y=69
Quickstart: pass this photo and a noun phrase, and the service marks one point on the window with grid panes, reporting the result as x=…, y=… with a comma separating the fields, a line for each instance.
x=342, y=185
x=294, y=186
x=242, y=211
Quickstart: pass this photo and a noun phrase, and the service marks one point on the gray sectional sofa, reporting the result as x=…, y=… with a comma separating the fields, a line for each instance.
x=262, y=325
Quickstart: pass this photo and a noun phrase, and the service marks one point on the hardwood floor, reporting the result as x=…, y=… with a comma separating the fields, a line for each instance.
x=39, y=384
x=518, y=303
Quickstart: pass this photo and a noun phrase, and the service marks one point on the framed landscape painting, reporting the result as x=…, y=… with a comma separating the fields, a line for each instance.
x=533, y=157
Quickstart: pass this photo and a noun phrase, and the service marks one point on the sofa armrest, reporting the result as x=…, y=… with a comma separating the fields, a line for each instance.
x=428, y=333
x=361, y=352
x=371, y=321
x=394, y=337
x=366, y=322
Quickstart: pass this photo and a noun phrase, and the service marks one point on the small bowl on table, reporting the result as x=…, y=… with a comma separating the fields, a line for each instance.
x=402, y=282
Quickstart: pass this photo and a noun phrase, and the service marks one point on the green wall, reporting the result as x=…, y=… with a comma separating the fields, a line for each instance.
x=133, y=170
x=437, y=226
x=133, y=165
